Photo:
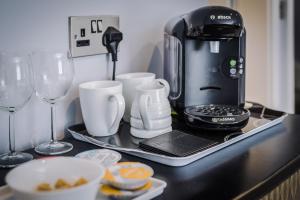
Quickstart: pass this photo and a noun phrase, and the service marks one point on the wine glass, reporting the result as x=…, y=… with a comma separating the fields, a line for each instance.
x=15, y=91
x=53, y=77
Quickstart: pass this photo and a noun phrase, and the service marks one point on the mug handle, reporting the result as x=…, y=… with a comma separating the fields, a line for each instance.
x=166, y=84
x=143, y=107
x=120, y=111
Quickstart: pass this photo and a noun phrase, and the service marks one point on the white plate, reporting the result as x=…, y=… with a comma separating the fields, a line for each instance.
x=158, y=187
x=104, y=157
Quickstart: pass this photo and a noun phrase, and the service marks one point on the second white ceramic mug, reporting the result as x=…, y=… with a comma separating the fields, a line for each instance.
x=130, y=82
x=102, y=106
x=151, y=103
x=157, y=124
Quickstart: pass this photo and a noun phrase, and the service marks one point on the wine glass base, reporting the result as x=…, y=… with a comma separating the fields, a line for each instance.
x=10, y=160
x=53, y=148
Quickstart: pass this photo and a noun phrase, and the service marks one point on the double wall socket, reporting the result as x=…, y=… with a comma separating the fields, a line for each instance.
x=85, y=33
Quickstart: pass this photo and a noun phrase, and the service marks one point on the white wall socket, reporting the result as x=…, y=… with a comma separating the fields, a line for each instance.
x=85, y=33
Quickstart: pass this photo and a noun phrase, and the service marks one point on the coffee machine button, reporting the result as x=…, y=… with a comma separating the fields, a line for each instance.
x=241, y=60
x=241, y=66
x=232, y=71
x=232, y=62
x=241, y=71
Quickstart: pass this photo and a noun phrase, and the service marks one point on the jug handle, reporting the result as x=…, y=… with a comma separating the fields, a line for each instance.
x=119, y=99
x=166, y=84
x=143, y=107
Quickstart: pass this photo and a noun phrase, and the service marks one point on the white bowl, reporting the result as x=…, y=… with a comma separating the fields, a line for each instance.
x=24, y=179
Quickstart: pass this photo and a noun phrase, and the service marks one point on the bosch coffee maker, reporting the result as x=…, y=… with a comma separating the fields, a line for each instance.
x=204, y=63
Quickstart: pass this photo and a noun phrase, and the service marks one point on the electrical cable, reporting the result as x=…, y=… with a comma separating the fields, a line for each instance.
x=111, y=39
x=114, y=71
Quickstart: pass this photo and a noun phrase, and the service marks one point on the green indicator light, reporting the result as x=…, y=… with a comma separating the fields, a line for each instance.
x=232, y=62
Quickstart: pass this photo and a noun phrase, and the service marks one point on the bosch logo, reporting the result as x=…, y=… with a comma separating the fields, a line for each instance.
x=224, y=17
x=225, y=119
x=212, y=17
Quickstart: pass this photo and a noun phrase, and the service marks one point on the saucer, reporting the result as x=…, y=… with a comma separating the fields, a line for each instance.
x=104, y=157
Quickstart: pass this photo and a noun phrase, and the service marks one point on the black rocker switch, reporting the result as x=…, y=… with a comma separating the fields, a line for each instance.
x=82, y=32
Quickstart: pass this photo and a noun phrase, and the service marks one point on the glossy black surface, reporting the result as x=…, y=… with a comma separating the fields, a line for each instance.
x=213, y=23
x=266, y=158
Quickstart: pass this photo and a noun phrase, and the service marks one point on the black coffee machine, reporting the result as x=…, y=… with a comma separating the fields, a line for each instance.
x=204, y=63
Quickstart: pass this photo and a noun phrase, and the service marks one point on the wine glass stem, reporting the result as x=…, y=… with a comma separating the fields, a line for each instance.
x=53, y=130
x=12, y=145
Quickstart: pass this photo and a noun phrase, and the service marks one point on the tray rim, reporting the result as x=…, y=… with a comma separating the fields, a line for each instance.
x=177, y=161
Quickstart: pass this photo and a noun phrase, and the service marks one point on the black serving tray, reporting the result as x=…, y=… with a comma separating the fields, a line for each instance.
x=261, y=118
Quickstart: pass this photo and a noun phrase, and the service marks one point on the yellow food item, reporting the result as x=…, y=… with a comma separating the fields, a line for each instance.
x=80, y=182
x=43, y=187
x=108, y=176
x=108, y=190
x=134, y=170
x=112, y=191
x=126, y=174
x=127, y=163
x=147, y=186
x=62, y=184
x=135, y=173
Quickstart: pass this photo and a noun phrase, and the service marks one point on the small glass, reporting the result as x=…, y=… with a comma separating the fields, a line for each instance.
x=53, y=77
x=16, y=90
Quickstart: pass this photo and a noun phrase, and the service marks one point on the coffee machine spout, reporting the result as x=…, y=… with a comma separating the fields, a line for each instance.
x=214, y=46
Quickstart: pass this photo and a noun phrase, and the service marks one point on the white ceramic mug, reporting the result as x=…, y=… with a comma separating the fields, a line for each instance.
x=155, y=111
x=130, y=82
x=157, y=124
x=142, y=133
x=151, y=103
x=102, y=106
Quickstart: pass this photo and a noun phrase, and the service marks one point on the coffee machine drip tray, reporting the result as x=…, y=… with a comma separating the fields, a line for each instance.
x=260, y=119
x=216, y=117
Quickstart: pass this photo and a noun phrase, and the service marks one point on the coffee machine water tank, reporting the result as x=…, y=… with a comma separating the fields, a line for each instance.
x=204, y=58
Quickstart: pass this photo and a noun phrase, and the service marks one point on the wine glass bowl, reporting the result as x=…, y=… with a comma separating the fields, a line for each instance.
x=16, y=90
x=15, y=81
x=53, y=77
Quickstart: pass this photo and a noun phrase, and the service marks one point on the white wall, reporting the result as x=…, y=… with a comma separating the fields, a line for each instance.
x=281, y=56
x=43, y=24
x=254, y=13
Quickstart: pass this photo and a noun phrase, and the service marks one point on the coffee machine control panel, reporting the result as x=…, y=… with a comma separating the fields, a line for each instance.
x=233, y=67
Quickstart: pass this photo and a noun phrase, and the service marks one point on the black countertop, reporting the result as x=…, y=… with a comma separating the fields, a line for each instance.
x=245, y=170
